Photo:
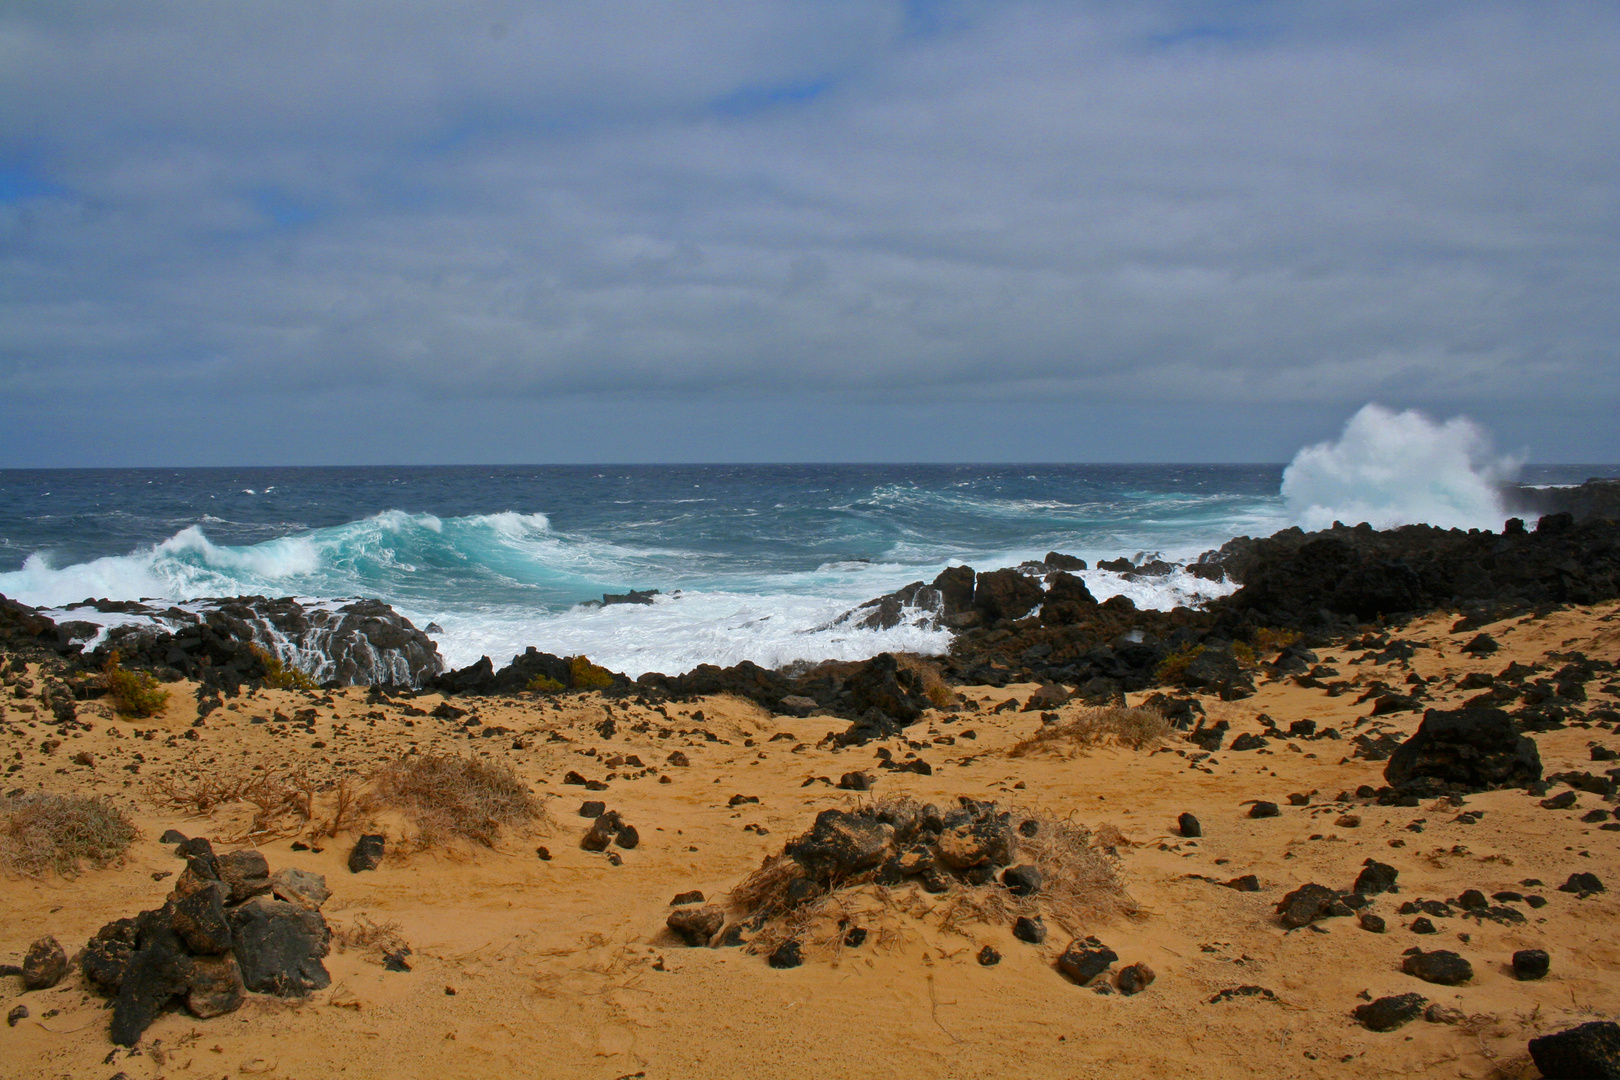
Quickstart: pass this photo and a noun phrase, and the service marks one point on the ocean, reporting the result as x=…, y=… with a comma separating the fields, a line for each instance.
x=751, y=562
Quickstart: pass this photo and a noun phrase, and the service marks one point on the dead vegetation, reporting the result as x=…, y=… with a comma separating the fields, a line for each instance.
x=369, y=937
x=40, y=832
x=1081, y=885
x=1136, y=728
x=284, y=802
x=449, y=797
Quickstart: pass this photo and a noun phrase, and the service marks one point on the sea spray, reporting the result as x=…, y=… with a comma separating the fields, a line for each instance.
x=1390, y=469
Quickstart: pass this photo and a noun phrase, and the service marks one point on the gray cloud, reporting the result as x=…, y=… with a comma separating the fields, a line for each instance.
x=1295, y=204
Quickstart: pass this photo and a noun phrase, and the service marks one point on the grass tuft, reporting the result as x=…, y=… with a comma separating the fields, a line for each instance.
x=452, y=797
x=1174, y=667
x=40, y=832
x=278, y=676
x=1137, y=728
x=544, y=684
x=584, y=675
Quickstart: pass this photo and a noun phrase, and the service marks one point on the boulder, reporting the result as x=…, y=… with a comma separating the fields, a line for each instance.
x=214, y=985
x=1441, y=966
x=883, y=685
x=155, y=974
x=841, y=844
x=1006, y=594
x=299, y=888
x=1375, y=878
x=1474, y=749
x=245, y=873
x=279, y=947
x=43, y=964
x=1389, y=1013
x=696, y=925
x=197, y=913
x=1589, y=1051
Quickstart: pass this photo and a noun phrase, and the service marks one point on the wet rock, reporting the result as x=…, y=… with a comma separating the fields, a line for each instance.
x=1530, y=964
x=1584, y=1052
x=1085, y=959
x=1376, y=878
x=989, y=957
x=367, y=853
x=279, y=947
x=299, y=888
x=1021, y=880
x=1029, y=928
x=1309, y=903
x=245, y=873
x=1005, y=594
x=1475, y=749
x=786, y=955
x=1265, y=810
x=696, y=926
x=840, y=844
x=1441, y=966
x=1389, y=1013
x=43, y=964
x=1135, y=979
x=1189, y=826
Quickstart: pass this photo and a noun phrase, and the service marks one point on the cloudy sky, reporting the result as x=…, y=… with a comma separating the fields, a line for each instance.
x=315, y=232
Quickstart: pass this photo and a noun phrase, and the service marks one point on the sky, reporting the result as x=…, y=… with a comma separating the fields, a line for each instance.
x=814, y=230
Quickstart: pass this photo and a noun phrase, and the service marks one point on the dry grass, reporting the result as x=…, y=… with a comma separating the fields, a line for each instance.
x=1081, y=885
x=1137, y=728
x=365, y=935
x=452, y=797
x=935, y=688
x=40, y=832
x=283, y=802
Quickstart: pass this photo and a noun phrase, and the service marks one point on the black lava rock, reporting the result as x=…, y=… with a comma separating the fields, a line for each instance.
x=1530, y=964
x=1441, y=966
x=1589, y=1051
x=1264, y=810
x=1029, y=928
x=1375, y=878
x=1189, y=826
x=787, y=955
x=1475, y=749
x=1021, y=880
x=1581, y=883
x=367, y=853
x=1389, y=1013
x=1085, y=959
x=989, y=957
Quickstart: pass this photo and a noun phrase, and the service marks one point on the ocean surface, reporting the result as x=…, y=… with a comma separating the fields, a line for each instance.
x=751, y=562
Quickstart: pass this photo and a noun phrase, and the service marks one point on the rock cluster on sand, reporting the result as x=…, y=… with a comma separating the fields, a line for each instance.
x=228, y=927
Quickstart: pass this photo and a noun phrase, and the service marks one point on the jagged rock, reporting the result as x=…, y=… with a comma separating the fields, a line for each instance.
x=840, y=844
x=1441, y=966
x=1389, y=1013
x=1085, y=959
x=696, y=926
x=245, y=873
x=154, y=974
x=197, y=913
x=1309, y=903
x=787, y=955
x=894, y=691
x=1589, y=1051
x=855, y=781
x=1474, y=749
x=279, y=947
x=300, y=888
x=367, y=853
x=1582, y=883
x=1029, y=928
x=989, y=957
x=1005, y=594
x=43, y=964
x=1375, y=878
x=975, y=844
x=106, y=956
x=1264, y=809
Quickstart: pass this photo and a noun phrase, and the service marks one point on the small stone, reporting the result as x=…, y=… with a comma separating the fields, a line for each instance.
x=1529, y=964
x=601, y=833
x=1581, y=883
x=787, y=955
x=695, y=896
x=1389, y=1013
x=44, y=964
x=543, y=853
x=1189, y=825
x=1085, y=959
x=1309, y=903
x=855, y=781
x=989, y=957
x=1265, y=810
x=1245, y=883
x=1135, y=979
x=395, y=961
x=1422, y=925
x=1375, y=878
x=1299, y=799
x=1562, y=801
x=367, y=853
x=678, y=759
x=1440, y=1014
x=628, y=837
x=1373, y=924
x=1021, y=880
x=172, y=836
x=855, y=937
x=1441, y=966
x=16, y=1015
x=696, y=926
x=1473, y=900
x=1030, y=929
x=592, y=808
x=1248, y=741
x=1586, y=1050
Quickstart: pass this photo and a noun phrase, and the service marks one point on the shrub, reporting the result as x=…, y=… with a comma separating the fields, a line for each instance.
x=1245, y=654
x=40, y=832
x=934, y=686
x=449, y=796
x=1173, y=667
x=278, y=676
x=1269, y=639
x=134, y=693
x=1137, y=728
x=544, y=684
x=584, y=675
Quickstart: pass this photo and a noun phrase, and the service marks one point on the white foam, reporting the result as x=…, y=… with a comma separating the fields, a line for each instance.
x=1390, y=469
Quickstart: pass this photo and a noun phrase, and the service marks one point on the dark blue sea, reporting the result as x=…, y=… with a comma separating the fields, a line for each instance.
x=752, y=562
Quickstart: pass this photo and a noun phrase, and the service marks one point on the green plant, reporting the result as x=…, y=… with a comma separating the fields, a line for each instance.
x=1173, y=667
x=544, y=684
x=1244, y=652
x=39, y=832
x=1269, y=639
x=278, y=676
x=134, y=693
x=584, y=675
